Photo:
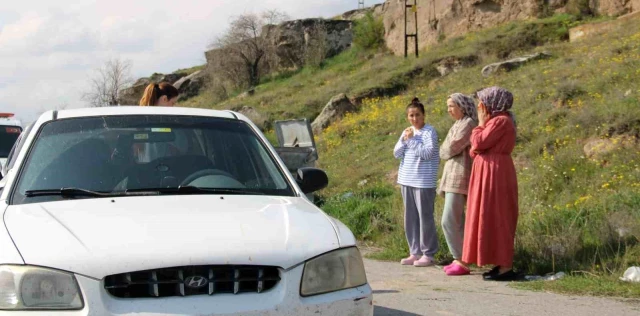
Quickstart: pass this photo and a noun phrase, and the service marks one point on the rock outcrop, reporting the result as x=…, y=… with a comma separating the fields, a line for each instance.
x=191, y=85
x=450, y=18
x=295, y=42
x=337, y=107
x=511, y=64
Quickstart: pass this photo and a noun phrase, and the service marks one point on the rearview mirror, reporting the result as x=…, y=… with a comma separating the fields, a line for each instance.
x=312, y=179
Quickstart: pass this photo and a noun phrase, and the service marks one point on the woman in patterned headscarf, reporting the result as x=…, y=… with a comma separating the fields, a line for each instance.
x=492, y=202
x=454, y=183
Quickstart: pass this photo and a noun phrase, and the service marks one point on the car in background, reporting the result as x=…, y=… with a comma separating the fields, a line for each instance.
x=168, y=211
x=10, y=129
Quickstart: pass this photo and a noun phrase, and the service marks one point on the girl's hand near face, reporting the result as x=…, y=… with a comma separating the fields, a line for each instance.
x=408, y=133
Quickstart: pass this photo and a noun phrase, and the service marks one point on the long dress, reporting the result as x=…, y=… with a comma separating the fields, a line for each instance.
x=492, y=203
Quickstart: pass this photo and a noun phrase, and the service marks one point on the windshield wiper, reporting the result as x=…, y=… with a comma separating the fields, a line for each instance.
x=195, y=190
x=73, y=192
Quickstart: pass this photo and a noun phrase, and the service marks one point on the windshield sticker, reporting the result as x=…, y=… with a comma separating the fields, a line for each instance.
x=140, y=136
x=161, y=130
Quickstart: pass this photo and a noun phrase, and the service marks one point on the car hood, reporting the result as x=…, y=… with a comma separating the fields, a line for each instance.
x=100, y=237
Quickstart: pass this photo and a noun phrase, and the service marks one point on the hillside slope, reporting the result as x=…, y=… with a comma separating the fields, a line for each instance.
x=577, y=153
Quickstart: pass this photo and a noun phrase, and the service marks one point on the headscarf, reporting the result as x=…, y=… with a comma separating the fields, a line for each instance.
x=497, y=100
x=466, y=104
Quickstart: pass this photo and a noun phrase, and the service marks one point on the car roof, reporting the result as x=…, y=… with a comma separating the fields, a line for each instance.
x=10, y=122
x=142, y=110
x=8, y=119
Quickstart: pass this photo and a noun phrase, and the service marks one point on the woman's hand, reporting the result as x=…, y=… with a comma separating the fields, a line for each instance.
x=483, y=115
x=408, y=133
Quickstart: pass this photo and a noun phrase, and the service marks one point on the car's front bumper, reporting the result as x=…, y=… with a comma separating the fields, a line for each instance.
x=284, y=299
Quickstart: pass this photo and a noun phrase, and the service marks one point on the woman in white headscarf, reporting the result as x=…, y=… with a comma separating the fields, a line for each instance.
x=454, y=183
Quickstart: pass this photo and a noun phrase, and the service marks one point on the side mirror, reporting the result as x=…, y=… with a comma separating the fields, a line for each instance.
x=312, y=179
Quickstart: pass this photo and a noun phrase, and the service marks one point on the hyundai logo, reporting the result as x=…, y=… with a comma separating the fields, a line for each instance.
x=196, y=281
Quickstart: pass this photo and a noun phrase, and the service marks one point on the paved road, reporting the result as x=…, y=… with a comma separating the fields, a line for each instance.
x=409, y=291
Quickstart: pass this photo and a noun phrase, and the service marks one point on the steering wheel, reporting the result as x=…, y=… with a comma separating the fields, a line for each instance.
x=206, y=172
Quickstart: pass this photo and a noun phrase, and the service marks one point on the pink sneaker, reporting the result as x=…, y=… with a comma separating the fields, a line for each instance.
x=457, y=269
x=424, y=262
x=409, y=261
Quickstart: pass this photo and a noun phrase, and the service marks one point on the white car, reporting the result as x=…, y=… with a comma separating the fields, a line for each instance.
x=167, y=211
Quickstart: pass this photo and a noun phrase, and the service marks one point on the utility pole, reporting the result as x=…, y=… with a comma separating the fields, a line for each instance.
x=414, y=9
x=360, y=4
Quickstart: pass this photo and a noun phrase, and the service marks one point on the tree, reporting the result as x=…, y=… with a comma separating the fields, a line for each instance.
x=246, y=42
x=107, y=83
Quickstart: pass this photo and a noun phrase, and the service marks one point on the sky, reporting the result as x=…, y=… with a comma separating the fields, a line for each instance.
x=49, y=50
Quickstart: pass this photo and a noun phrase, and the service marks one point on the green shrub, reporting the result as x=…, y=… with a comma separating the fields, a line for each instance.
x=368, y=32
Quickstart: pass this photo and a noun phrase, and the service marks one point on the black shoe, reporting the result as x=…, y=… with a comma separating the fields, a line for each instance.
x=493, y=271
x=507, y=276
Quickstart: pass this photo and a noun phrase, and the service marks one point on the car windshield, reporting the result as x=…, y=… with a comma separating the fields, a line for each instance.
x=113, y=155
x=8, y=136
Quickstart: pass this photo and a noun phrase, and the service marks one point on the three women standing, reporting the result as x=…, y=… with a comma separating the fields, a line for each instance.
x=479, y=165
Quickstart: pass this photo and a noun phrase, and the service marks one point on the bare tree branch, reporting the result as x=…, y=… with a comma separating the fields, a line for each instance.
x=246, y=45
x=108, y=81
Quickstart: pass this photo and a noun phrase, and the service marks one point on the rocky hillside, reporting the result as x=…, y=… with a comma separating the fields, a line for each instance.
x=438, y=20
x=578, y=109
x=578, y=148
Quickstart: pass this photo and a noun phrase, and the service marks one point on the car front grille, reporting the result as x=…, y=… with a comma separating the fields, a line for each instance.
x=192, y=280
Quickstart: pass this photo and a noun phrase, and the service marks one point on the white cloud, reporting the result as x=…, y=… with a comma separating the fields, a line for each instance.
x=49, y=48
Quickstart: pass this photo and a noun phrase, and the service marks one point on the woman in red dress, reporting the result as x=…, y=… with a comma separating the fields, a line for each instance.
x=492, y=204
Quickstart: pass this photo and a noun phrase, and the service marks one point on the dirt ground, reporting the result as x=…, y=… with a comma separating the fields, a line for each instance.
x=405, y=291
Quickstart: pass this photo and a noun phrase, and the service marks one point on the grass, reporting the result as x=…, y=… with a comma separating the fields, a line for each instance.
x=576, y=212
x=188, y=71
x=582, y=285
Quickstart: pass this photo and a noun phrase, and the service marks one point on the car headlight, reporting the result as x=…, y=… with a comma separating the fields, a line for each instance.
x=34, y=288
x=334, y=271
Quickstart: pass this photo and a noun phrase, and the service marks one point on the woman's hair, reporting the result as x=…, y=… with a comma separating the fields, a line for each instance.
x=415, y=103
x=154, y=91
x=466, y=104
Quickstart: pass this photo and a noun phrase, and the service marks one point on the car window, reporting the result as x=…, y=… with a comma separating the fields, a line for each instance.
x=124, y=153
x=11, y=159
x=8, y=137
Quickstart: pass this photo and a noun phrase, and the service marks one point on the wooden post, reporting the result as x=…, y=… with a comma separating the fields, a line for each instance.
x=413, y=7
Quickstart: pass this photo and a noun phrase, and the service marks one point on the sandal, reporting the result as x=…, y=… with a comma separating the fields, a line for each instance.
x=457, y=269
x=493, y=271
x=506, y=276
